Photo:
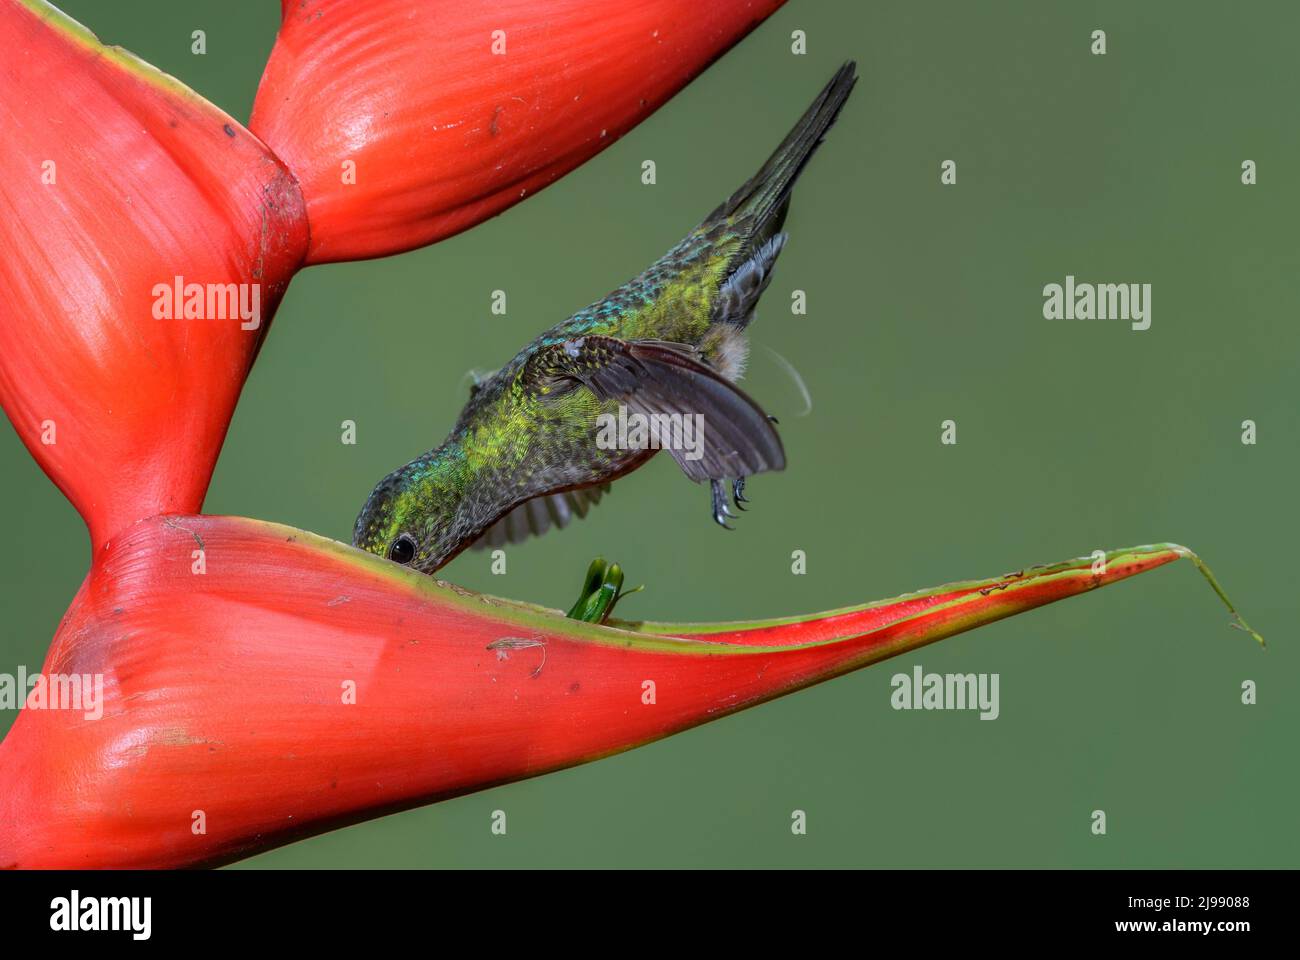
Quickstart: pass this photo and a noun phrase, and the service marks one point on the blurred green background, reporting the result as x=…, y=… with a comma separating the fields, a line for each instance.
x=924, y=304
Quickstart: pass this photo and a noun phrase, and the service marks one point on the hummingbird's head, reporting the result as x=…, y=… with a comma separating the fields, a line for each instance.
x=410, y=517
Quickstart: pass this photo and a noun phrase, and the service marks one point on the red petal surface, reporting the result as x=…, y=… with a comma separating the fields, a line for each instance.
x=445, y=133
x=224, y=691
x=151, y=182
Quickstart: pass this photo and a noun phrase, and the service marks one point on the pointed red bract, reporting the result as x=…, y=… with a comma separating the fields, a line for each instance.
x=281, y=684
x=118, y=179
x=407, y=121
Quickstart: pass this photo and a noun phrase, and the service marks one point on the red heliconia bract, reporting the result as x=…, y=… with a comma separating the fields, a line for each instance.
x=406, y=121
x=114, y=180
x=291, y=684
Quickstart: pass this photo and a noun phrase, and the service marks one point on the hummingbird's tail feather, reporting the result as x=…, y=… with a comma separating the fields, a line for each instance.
x=757, y=210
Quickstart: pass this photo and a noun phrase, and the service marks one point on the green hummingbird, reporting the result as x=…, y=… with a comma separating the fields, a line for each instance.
x=592, y=399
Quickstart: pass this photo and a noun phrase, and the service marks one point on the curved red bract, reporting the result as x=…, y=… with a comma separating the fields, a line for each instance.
x=451, y=111
x=118, y=179
x=296, y=684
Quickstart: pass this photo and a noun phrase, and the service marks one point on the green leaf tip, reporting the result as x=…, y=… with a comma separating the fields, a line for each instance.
x=1237, y=620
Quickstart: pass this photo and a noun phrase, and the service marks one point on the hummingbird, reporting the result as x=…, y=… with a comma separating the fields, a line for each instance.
x=534, y=445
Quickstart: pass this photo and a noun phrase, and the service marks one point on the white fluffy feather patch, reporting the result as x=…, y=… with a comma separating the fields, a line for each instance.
x=731, y=354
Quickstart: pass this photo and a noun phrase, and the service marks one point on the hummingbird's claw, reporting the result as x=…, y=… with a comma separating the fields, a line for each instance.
x=738, y=492
x=720, y=511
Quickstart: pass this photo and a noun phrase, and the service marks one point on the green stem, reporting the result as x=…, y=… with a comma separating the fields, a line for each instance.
x=1237, y=620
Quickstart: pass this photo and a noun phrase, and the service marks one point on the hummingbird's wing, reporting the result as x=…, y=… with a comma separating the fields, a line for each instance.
x=534, y=517
x=732, y=437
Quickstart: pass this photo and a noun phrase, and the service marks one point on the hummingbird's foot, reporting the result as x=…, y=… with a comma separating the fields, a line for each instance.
x=720, y=511
x=738, y=492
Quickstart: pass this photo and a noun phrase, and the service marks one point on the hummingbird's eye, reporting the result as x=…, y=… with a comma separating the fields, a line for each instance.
x=402, y=549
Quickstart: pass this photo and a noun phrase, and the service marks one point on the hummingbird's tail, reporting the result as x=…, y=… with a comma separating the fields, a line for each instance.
x=756, y=212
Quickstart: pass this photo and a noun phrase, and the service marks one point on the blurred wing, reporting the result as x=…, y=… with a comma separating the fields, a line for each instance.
x=734, y=437
x=534, y=517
